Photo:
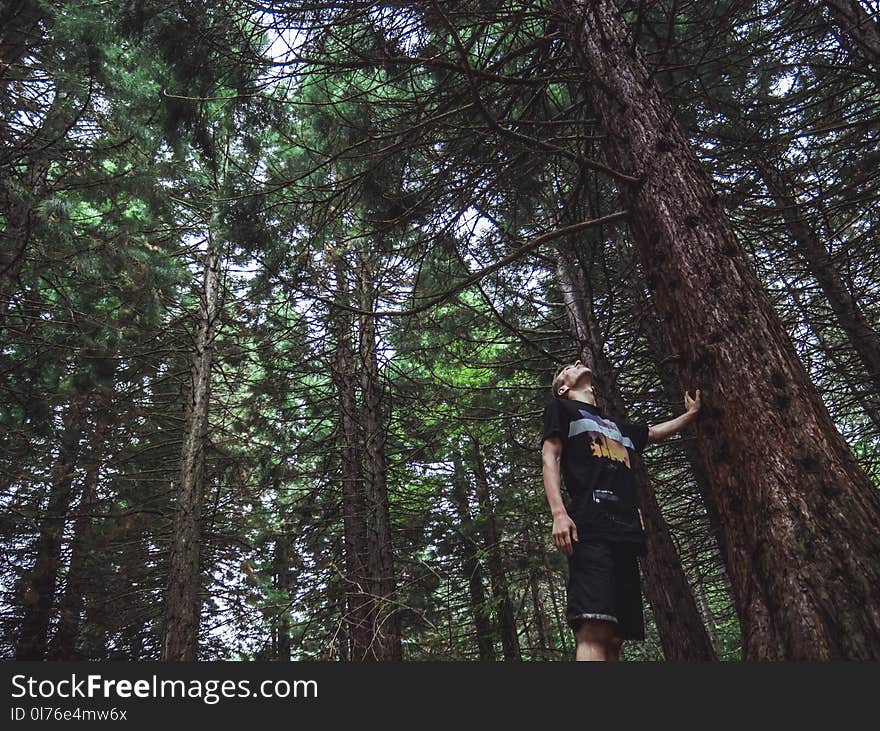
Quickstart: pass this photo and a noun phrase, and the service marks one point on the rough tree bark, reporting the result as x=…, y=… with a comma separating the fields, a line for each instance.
x=682, y=633
x=180, y=637
x=799, y=514
x=356, y=621
x=385, y=613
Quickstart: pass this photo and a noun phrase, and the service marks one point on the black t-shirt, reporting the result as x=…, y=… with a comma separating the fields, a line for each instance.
x=597, y=469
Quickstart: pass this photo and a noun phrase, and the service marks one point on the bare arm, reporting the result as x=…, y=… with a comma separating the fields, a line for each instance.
x=659, y=432
x=564, y=529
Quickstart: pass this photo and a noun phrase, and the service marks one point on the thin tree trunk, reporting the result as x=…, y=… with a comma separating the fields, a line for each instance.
x=356, y=618
x=63, y=646
x=542, y=621
x=19, y=28
x=706, y=612
x=16, y=234
x=283, y=578
x=180, y=640
x=40, y=586
x=798, y=512
x=498, y=578
x=866, y=400
x=471, y=564
x=385, y=614
x=865, y=340
x=679, y=624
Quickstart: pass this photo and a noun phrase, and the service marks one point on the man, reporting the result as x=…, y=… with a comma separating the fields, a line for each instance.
x=601, y=530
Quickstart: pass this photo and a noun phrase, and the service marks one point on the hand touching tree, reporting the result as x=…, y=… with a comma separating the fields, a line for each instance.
x=692, y=404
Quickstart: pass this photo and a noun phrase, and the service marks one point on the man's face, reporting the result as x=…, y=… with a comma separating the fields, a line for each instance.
x=574, y=376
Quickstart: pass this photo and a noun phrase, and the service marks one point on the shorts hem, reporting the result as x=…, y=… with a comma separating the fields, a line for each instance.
x=592, y=615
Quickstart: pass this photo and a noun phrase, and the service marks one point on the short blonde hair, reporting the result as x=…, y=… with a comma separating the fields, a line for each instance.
x=557, y=378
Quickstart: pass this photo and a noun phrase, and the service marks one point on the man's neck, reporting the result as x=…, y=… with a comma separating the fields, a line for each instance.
x=585, y=395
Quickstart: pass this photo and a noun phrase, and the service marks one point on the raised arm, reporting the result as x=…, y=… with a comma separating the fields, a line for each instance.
x=659, y=432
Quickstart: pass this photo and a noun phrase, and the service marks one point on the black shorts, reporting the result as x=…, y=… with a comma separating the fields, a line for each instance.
x=604, y=583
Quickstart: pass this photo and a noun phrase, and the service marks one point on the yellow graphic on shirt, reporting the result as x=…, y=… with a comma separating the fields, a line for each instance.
x=603, y=446
x=605, y=438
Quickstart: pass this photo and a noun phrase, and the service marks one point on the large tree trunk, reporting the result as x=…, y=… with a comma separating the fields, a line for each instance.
x=180, y=640
x=63, y=646
x=865, y=340
x=506, y=618
x=41, y=584
x=471, y=567
x=799, y=514
x=385, y=615
x=682, y=633
x=669, y=379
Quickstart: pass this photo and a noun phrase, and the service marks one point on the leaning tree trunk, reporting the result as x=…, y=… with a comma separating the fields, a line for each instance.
x=180, y=640
x=669, y=380
x=497, y=575
x=807, y=310
x=861, y=32
x=864, y=339
x=19, y=27
x=356, y=624
x=41, y=584
x=682, y=633
x=385, y=611
x=470, y=565
x=798, y=512
x=21, y=199
x=16, y=234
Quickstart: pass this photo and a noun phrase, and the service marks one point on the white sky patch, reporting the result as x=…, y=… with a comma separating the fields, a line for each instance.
x=783, y=85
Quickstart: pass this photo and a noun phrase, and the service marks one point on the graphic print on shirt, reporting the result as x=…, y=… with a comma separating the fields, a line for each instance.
x=605, y=437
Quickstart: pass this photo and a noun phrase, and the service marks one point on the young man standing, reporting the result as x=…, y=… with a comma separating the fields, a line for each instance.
x=601, y=530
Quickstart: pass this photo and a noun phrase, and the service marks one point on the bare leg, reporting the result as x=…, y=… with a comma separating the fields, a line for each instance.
x=593, y=637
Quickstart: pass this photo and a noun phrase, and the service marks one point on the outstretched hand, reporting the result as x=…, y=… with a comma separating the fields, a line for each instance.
x=692, y=404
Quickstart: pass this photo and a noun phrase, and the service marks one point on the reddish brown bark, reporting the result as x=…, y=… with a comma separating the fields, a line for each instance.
x=358, y=627
x=798, y=513
x=180, y=639
x=385, y=613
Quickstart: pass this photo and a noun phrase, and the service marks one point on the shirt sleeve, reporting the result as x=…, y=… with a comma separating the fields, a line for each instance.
x=555, y=422
x=637, y=432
